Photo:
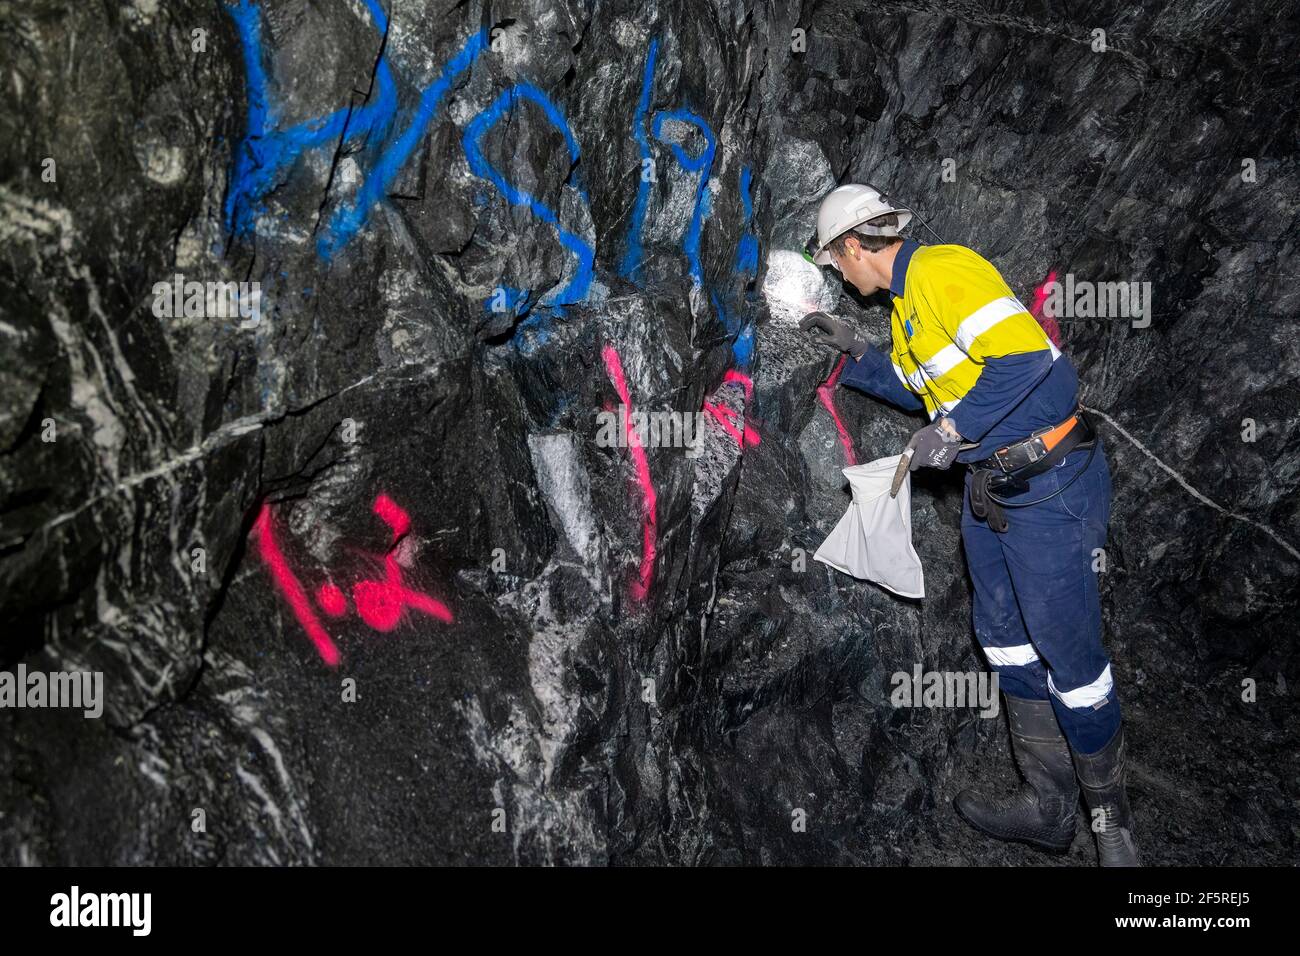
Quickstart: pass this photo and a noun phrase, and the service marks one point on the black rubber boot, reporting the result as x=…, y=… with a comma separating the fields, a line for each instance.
x=1102, y=777
x=1042, y=812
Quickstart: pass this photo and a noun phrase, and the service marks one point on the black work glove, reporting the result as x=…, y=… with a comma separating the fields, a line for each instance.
x=828, y=331
x=934, y=447
x=931, y=447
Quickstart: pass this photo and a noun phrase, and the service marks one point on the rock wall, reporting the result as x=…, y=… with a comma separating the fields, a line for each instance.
x=322, y=324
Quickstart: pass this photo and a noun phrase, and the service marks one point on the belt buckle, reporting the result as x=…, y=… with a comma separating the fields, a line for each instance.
x=1036, y=449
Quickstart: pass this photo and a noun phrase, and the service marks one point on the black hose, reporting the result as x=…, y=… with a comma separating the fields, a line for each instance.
x=924, y=223
x=1038, y=501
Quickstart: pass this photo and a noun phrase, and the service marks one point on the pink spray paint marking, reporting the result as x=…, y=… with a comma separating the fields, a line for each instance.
x=380, y=604
x=393, y=516
x=1039, y=310
x=745, y=381
x=331, y=600
x=826, y=392
x=722, y=413
x=291, y=588
x=726, y=416
x=640, y=587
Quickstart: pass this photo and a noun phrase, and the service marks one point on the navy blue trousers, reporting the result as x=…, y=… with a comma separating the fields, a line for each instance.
x=1037, y=609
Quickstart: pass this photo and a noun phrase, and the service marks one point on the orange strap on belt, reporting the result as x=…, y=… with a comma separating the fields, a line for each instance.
x=1051, y=436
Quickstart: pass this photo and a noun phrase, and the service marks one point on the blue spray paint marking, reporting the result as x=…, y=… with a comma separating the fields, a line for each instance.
x=632, y=257
x=701, y=164
x=743, y=347
x=248, y=24
x=349, y=220
x=265, y=154
x=747, y=251
x=741, y=333
x=743, y=339
x=576, y=288
x=746, y=267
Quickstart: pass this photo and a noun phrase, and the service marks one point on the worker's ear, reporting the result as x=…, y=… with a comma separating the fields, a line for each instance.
x=852, y=248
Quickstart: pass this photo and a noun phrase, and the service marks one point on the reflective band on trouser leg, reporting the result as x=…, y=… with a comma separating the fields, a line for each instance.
x=1089, y=695
x=1026, y=679
x=1016, y=656
x=1088, y=715
x=1020, y=670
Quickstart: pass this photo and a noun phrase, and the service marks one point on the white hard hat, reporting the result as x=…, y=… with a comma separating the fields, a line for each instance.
x=852, y=206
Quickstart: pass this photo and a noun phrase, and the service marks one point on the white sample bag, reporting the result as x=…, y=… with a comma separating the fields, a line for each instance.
x=874, y=538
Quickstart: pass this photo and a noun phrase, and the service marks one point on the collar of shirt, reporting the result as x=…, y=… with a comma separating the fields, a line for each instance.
x=900, y=267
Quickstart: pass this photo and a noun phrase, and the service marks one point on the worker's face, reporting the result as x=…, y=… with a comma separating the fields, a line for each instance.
x=855, y=265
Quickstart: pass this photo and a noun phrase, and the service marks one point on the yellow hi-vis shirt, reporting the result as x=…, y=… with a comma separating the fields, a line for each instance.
x=955, y=313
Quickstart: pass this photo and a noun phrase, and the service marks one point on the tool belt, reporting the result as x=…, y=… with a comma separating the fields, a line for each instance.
x=1008, y=470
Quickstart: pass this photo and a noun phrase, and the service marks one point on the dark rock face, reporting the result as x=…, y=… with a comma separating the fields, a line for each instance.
x=366, y=584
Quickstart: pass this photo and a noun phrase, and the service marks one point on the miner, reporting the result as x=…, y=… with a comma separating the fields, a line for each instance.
x=1002, y=400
